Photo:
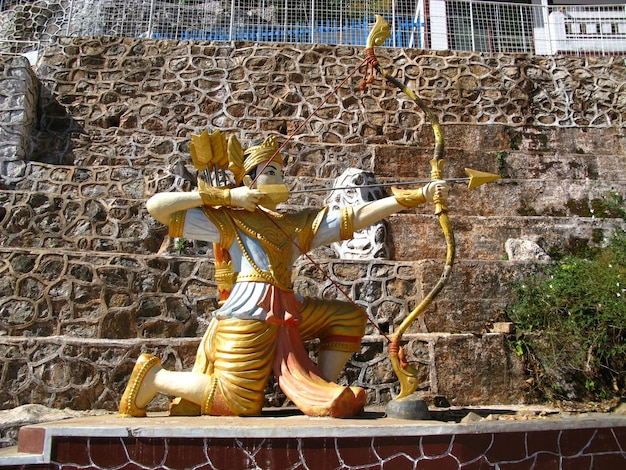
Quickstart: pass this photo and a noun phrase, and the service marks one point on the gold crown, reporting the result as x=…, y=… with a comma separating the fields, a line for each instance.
x=242, y=163
x=266, y=151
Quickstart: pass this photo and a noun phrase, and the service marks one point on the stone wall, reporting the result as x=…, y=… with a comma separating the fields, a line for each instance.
x=32, y=21
x=89, y=280
x=19, y=95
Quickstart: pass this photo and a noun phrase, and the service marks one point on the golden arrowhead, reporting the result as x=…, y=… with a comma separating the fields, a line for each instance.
x=479, y=177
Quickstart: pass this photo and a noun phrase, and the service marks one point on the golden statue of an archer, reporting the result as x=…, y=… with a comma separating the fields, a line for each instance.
x=260, y=327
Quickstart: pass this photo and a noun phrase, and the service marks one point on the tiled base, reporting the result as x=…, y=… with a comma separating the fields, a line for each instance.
x=300, y=443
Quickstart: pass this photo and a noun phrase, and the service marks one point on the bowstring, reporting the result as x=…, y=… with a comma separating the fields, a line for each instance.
x=335, y=284
x=304, y=123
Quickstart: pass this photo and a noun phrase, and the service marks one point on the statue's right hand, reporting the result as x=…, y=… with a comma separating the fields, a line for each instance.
x=245, y=197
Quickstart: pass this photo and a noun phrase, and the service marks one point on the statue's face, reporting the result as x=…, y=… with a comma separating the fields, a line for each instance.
x=272, y=174
x=271, y=183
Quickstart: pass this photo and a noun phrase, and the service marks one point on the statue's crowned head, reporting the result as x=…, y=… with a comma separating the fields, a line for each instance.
x=243, y=163
x=260, y=154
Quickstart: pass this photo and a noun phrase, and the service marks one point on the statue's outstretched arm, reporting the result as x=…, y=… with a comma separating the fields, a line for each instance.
x=372, y=212
x=161, y=206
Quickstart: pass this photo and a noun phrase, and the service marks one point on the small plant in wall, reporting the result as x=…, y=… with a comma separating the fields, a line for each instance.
x=180, y=244
x=501, y=160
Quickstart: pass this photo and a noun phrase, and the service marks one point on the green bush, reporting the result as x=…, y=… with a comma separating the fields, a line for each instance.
x=571, y=325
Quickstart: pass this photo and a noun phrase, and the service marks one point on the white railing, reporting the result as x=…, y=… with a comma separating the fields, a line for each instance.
x=462, y=25
x=473, y=25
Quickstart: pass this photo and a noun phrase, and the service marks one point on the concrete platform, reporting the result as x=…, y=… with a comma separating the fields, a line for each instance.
x=284, y=439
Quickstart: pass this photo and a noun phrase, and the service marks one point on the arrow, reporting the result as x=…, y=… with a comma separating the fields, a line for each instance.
x=280, y=193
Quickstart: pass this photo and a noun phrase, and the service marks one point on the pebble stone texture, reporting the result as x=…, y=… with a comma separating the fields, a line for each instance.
x=18, y=105
x=37, y=20
x=23, y=22
x=88, y=280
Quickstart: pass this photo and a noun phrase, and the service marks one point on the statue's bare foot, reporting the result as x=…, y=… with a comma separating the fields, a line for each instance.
x=140, y=389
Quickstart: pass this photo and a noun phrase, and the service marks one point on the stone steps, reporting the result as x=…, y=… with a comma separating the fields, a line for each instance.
x=416, y=237
x=558, y=196
x=576, y=154
x=507, y=198
x=127, y=181
x=93, y=372
x=60, y=221
x=591, y=169
x=109, y=296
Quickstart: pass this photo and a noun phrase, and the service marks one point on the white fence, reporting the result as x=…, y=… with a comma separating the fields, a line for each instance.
x=462, y=25
x=510, y=27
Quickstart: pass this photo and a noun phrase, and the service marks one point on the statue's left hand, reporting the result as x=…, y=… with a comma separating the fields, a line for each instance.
x=438, y=188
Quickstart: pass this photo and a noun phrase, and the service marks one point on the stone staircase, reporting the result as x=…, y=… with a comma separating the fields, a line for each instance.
x=89, y=280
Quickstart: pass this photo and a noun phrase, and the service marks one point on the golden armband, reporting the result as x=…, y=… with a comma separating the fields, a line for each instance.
x=346, y=219
x=212, y=196
x=409, y=197
x=177, y=223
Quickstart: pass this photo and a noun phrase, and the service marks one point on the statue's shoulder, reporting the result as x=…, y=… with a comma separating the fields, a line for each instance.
x=313, y=221
x=222, y=218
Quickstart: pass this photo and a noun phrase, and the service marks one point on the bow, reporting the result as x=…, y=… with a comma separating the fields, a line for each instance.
x=407, y=374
